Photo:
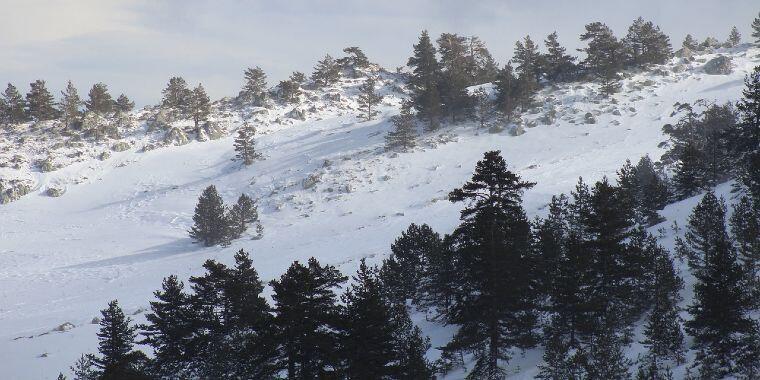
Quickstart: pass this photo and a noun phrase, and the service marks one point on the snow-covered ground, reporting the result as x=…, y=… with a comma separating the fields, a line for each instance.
x=122, y=228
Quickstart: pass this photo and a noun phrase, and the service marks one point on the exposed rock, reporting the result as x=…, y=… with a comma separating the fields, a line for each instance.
x=66, y=326
x=47, y=165
x=121, y=146
x=589, y=118
x=54, y=192
x=496, y=129
x=720, y=65
x=11, y=190
x=104, y=156
x=311, y=181
x=214, y=130
x=297, y=113
x=684, y=53
x=176, y=136
x=517, y=130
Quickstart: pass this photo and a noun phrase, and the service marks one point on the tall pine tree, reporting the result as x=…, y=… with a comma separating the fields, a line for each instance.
x=424, y=82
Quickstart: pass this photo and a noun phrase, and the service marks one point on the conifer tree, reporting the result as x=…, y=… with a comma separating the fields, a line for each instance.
x=607, y=359
x=745, y=230
x=326, y=73
x=199, y=107
x=289, y=90
x=243, y=214
x=211, y=225
x=496, y=310
x=644, y=190
x=169, y=329
x=454, y=77
x=100, y=101
x=84, y=368
x=720, y=307
x=245, y=145
x=412, y=250
x=369, y=98
x=177, y=96
x=482, y=106
x=308, y=319
x=747, y=135
x=254, y=91
x=756, y=29
x=529, y=67
x=61, y=376
x=70, y=105
x=424, y=82
x=690, y=43
x=507, y=91
x=646, y=44
x=734, y=38
x=481, y=66
x=40, y=102
x=116, y=339
x=603, y=55
x=558, y=65
x=354, y=60
x=15, y=105
x=689, y=175
x=124, y=104
x=403, y=136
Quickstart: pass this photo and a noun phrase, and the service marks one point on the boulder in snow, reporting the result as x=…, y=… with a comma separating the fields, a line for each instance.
x=720, y=65
x=176, y=136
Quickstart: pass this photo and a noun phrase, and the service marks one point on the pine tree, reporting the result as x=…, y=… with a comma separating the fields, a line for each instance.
x=559, y=66
x=368, y=340
x=211, y=225
x=529, y=69
x=646, y=44
x=40, y=102
x=326, y=73
x=289, y=90
x=410, y=347
x=308, y=319
x=254, y=92
x=689, y=175
x=70, y=105
x=199, y=107
x=169, y=328
x=368, y=98
x=603, y=55
x=690, y=43
x=745, y=229
x=747, y=135
x=482, y=106
x=607, y=359
x=60, y=376
x=116, y=340
x=100, y=101
x=496, y=310
x=756, y=29
x=481, y=67
x=507, y=91
x=734, y=38
x=354, y=60
x=243, y=214
x=16, y=105
x=245, y=145
x=403, y=136
x=123, y=104
x=644, y=189
x=411, y=251
x=177, y=96
x=720, y=307
x=454, y=79
x=424, y=82
x=84, y=368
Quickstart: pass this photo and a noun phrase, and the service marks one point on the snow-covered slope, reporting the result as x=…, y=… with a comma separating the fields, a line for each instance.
x=326, y=189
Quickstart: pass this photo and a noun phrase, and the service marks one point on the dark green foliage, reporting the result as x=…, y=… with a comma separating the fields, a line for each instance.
x=454, y=77
x=644, y=189
x=745, y=229
x=40, y=103
x=481, y=66
x=326, y=73
x=124, y=104
x=645, y=44
x=254, y=90
x=243, y=214
x=720, y=308
x=734, y=38
x=70, y=105
x=604, y=56
x=99, y=100
x=354, y=60
x=529, y=66
x=495, y=304
x=308, y=319
x=483, y=106
x=756, y=29
x=606, y=357
x=424, y=81
x=211, y=225
x=169, y=329
x=116, y=338
x=369, y=98
x=747, y=137
x=507, y=91
x=61, y=377
x=412, y=250
x=15, y=106
x=84, y=368
x=289, y=90
x=245, y=145
x=177, y=96
x=404, y=133
x=557, y=65
x=690, y=43
x=689, y=176
x=199, y=107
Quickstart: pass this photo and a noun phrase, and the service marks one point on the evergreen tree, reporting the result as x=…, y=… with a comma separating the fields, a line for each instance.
x=245, y=145
x=123, y=104
x=211, y=225
x=169, y=329
x=690, y=43
x=607, y=359
x=507, y=91
x=199, y=107
x=368, y=98
x=254, y=91
x=84, y=368
x=424, y=82
x=411, y=347
x=604, y=55
x=454, y=79
x=308, y=319
x=100, y=101
x=15, y=105
x=177, y=96
x=720, y=308
x=326, y=73
x=40, y=102
x=734, y=38
x=354, y=60
x=60, y=376
x=689, y=174
x=745, y=229
x=747, y=135
x=481, y=66
x=412, y=250
x=368, y=340
x=495, y=310
x=243, y=214
x=644, y=189
x=70, y=105
x=558, y=66
x=116, y=340
x=439, y=280
x=402, y=137
x=756, y=29
x=482, y=106
x=289, y=90
x=646, y=44
x=529, y=68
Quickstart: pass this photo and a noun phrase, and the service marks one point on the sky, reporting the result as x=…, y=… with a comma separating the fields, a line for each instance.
x=134, y=46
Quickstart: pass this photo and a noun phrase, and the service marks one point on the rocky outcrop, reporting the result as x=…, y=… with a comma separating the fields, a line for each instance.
x=720, y=65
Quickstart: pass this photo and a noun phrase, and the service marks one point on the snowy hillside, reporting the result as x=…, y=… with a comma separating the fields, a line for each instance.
x=326, y=188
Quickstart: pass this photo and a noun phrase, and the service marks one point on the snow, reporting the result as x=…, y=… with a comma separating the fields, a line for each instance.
x=121, y=225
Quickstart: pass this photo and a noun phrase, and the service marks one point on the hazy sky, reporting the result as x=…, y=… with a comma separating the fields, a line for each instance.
x=135, y=46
